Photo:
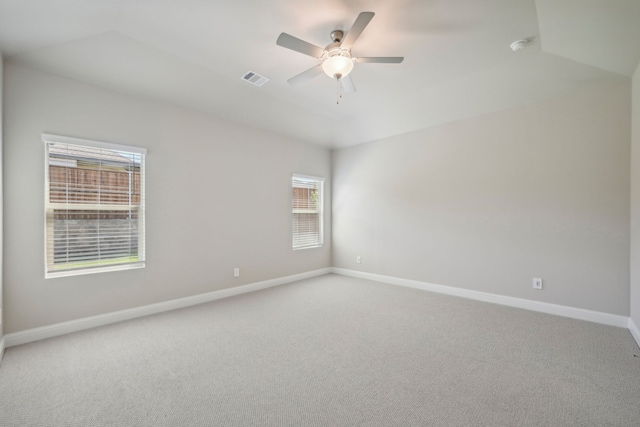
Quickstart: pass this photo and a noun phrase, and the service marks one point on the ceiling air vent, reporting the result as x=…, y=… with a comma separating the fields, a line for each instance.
x=254, y=78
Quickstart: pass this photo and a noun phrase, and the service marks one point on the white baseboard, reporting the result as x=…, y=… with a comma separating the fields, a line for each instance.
x=57, y=329
x=543, y=307
x=635, y=331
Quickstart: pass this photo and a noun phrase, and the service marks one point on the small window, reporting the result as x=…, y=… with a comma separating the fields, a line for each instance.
x=307, y=211
x=94, y=206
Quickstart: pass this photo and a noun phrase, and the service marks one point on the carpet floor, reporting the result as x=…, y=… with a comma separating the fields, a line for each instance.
x=329, y=351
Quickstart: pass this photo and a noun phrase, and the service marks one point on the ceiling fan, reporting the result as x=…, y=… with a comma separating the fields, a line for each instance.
x=336, y=58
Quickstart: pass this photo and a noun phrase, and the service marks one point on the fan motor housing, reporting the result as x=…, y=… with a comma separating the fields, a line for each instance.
x=334, y=49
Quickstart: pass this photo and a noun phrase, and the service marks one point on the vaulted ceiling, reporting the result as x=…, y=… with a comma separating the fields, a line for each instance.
x=192, y=53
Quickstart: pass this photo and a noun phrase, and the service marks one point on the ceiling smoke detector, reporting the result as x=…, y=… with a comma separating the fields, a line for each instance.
x=519, y=45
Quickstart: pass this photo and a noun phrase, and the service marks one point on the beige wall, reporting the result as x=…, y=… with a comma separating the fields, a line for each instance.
x=490, y=202
x=218, y=197
x=635, y=200
x=1, y=195
x=485, y=203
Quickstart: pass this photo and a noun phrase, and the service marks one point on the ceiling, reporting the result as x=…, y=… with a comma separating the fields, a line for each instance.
x=458, y=64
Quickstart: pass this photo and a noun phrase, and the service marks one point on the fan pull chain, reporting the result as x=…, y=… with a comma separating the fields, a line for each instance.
x=339, y=94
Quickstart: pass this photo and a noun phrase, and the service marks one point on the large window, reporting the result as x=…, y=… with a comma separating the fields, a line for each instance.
x=94, y=206
x=307, y=211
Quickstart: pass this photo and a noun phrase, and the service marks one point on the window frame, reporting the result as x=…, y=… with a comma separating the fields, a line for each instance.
x=320, y=210
x=49, y=207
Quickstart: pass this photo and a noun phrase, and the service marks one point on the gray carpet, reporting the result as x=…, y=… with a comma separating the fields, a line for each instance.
x=329, y=351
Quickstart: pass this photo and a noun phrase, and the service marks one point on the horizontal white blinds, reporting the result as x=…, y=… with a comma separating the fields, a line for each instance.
x=94, y=205
x=307, y=211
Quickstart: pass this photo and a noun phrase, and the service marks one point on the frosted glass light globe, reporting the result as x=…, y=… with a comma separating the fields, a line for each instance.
x=337, y=66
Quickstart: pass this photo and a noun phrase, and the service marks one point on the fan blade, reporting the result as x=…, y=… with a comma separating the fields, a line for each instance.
x=381, y=59
x=294, y=43
x=356, y=29
x=306, y=75
x=347, y=84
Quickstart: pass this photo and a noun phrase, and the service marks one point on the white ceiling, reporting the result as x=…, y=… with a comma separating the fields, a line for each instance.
x=457, y=63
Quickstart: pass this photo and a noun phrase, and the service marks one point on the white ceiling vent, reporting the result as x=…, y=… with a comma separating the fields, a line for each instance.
x=254, y=78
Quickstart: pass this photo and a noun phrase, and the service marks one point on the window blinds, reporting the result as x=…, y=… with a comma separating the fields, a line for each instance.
x=94, y=205
x=307, y=211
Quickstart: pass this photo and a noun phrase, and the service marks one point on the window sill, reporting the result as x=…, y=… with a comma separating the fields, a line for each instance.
x=92, y=270
x=307, y=247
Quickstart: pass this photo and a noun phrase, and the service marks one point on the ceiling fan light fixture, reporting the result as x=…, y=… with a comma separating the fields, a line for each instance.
x=337, y=66
x=336, y=61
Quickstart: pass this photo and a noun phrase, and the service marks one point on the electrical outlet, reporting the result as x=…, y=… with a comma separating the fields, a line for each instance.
x=358, y=260
x=236, y=272
x=537, y=283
